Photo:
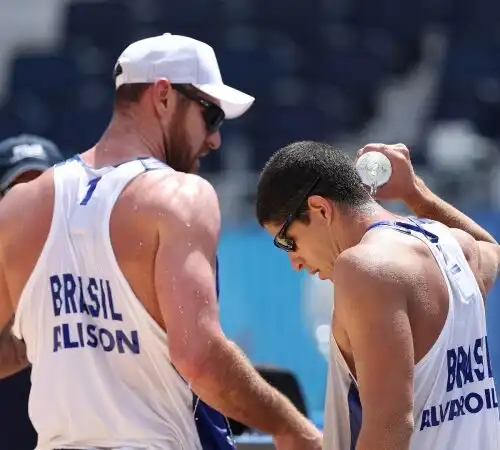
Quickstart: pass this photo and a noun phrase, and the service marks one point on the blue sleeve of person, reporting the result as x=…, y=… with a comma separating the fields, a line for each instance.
x=213, y=427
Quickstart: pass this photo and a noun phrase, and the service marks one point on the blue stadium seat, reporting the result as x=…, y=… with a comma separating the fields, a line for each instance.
x=47, y=75
x=355, y=71
x=402, y=19
x=286, y=15
x=10, y=124
x=104, y=24
x=439, y=11
x=466, y=64
x=79, y=129
x=476, y=21
x=278, y=126
x=34, y=113
x=252, y=71
x=195, y=18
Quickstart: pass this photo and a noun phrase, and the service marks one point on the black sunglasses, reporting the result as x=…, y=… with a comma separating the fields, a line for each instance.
x=213, y=114
x=281, y=240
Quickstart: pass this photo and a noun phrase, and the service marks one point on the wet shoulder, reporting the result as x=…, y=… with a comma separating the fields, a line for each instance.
x=169, y=196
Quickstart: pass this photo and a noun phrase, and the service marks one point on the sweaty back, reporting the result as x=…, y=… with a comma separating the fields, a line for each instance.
x=102, y=375
x=455, y=402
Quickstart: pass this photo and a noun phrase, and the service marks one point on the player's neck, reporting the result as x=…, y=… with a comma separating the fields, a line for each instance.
x=127, y=138
x=352, y=226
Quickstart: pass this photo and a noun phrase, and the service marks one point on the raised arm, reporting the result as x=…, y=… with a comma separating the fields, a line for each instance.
x=482, y=251
x=185, y=283
x=480, y=248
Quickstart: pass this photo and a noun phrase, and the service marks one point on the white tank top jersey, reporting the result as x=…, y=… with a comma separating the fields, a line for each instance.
x=102, y=376
x=455, y=403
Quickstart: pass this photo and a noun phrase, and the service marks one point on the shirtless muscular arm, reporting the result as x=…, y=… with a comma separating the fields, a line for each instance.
x=185, y=284
x=371, y=304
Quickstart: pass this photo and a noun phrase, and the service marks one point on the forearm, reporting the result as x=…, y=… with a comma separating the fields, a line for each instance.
x=424, y=203
x=230, y=384
x=12, y=352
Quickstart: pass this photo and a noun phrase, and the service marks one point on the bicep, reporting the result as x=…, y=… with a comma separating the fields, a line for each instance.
x=185, y=268
x=375, y=316
x=185, y=286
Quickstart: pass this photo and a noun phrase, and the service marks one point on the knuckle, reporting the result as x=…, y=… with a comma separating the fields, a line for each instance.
x=373, y=147
x=402, y=147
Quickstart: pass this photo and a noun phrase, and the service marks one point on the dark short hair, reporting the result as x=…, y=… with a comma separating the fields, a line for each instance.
x=128, y=94
x=292, y=170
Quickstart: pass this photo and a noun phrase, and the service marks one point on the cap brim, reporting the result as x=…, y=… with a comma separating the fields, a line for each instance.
x=234, y=103
x=11, y=175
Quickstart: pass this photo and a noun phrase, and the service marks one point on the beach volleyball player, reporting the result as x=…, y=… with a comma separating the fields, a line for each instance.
x=409, y=360
x=108, y=275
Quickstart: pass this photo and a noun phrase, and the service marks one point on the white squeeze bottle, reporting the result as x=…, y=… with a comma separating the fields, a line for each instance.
x=375, y=170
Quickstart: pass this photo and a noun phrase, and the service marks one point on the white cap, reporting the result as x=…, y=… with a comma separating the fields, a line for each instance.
x=180, y=60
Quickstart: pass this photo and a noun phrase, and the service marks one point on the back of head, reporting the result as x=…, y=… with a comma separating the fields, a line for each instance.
x=170, y=101
x=294, y=169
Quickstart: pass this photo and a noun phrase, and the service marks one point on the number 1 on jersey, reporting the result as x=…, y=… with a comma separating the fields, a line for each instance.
x=92, y=184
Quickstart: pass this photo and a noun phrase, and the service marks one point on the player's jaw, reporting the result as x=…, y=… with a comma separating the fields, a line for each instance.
x=192, y=141
x=196, y=163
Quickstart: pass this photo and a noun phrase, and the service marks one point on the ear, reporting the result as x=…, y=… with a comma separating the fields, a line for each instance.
x=162, y=95
x=320, y=207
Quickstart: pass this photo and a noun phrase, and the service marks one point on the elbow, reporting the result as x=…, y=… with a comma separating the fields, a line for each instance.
x=402, y=427
x=406, y=428
x=387, y=432
x=188, y=363
x=403, y=430
x=193, y=361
